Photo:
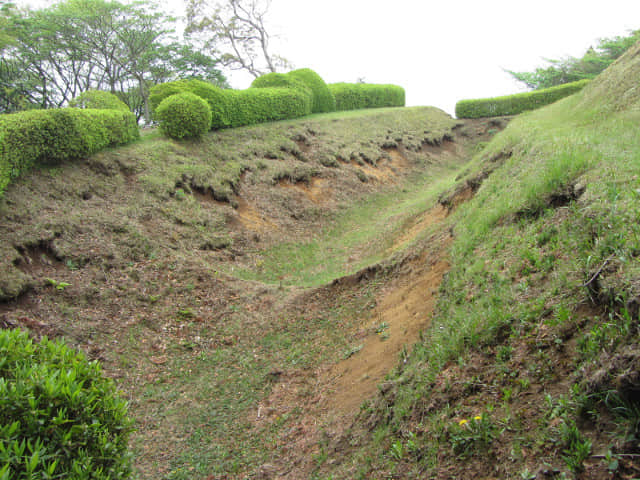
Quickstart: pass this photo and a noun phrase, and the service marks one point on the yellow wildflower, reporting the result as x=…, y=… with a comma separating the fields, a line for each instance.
x=462, y=422
x=477, y=417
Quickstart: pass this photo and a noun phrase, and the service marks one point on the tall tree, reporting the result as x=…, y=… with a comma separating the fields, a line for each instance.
x=235, y=30
x=572, y=69
x=77, y=45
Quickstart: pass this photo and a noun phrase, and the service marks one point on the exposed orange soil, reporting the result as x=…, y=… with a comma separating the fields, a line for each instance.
x=251, y=219
x=317, y=190
x=403, y=311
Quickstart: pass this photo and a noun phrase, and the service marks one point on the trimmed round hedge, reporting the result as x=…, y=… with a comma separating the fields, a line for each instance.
x=323, y=99
x=98, y=99
x=184, y=115
x=215, y=96
x=59, y=416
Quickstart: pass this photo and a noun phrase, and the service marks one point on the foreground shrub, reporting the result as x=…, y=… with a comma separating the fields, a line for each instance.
x=59, y=416
x=323, y=99
x=215, y=96
x=515, y=104
x=184, y=115
x=98, y=99
x=59, y=135
x=355, y=96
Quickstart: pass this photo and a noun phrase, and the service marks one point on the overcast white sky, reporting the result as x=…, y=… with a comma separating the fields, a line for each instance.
x=439, y=51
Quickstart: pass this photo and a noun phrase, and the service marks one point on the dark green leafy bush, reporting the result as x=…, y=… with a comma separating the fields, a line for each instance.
x=323, y=99
x=184, y=115
x=58, y=135
x=215, y=96
x=354, y=96
x=515, y=104
x=98, y=99
x=59, y=416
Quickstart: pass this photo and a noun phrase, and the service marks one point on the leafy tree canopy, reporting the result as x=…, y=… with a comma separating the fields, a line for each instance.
x=572, y=69
x=51, y=55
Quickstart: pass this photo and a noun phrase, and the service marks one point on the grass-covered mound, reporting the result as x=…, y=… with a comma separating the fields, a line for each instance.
x=172, y=262
x=518, y=103
x=532, y=358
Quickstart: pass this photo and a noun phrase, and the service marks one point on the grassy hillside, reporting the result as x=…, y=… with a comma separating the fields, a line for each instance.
x=208, y=276
x=250, y=291
x=530, y=366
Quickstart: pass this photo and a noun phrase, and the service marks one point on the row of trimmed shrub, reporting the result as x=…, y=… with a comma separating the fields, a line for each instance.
x=57, y=135
x=274, y=96
x=355, y=96
x=515, y=104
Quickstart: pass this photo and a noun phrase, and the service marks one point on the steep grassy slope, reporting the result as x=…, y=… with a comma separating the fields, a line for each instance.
x=531, y=365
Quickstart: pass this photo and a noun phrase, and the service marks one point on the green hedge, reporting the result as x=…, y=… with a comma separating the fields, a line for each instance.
x=323, y=99
x=57, y=135
x=98, y=99
x=257, y=105
x=518, y=103
x=282, y=80
x=184, y=115
x=60, y=416
x=354, y=96
x=215, y=96
x=277, y=96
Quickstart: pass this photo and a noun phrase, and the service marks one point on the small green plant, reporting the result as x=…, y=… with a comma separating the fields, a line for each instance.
x=186, y=314
x=576, y=448
x=612, y=462
x=179, y=194
x=382, y=327
x=352, y=351
x=397, y=450
x=507, y=394
x=504, y=353
x=471, y=436
x=71, y=265
x=58, y=285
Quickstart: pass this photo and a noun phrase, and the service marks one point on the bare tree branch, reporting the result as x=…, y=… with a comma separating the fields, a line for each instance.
x=237, y=30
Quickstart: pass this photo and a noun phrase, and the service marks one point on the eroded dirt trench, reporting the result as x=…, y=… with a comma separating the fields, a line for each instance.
x=403, y=309
x=331, y=395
